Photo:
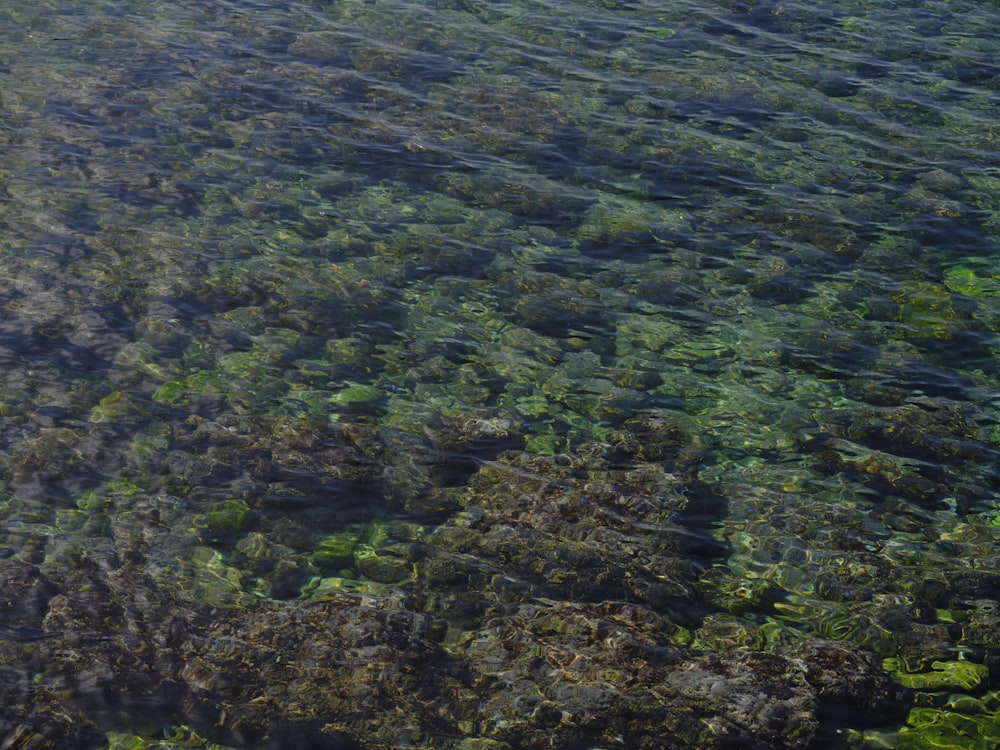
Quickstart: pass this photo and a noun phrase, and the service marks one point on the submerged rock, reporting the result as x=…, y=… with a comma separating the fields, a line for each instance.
x=356, y=672
x=551, y=611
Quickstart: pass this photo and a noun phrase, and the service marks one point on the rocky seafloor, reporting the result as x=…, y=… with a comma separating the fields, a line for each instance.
x=579, y=376
x=560, y=605
x=581, y=599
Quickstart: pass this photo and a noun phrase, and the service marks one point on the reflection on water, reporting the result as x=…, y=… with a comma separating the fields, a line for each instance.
x=499, y=375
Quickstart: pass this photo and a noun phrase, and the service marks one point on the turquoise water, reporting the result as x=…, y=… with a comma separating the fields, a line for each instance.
x=499, y=375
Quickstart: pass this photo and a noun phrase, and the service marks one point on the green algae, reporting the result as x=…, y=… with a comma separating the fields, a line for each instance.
x=178, y=737
x=335, y=551
x=929, y=728
x=228, y=515
x=952, y=674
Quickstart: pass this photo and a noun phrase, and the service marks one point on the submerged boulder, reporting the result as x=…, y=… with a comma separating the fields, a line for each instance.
x=552, y=609
x=358, y=672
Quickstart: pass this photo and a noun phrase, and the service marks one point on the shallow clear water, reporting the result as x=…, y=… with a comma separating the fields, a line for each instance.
x=478, y=313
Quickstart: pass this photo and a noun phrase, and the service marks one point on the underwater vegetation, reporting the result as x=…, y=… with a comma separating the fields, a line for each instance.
x=483, y=376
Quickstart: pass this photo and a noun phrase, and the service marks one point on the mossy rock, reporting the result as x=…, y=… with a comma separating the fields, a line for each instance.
x=226, y=515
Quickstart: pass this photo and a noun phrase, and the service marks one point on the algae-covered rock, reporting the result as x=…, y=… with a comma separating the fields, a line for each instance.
x=225, y=516
x=270, y=672
x=335, y=550
x=594, y=525
x=843, y=676
x=633, y=686
x=547, y=612
x=44, y=721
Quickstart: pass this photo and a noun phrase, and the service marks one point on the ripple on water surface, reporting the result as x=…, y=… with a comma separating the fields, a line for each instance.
x=499, y=375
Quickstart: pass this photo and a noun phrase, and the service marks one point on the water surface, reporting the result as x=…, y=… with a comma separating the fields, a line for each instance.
x=450, y=339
